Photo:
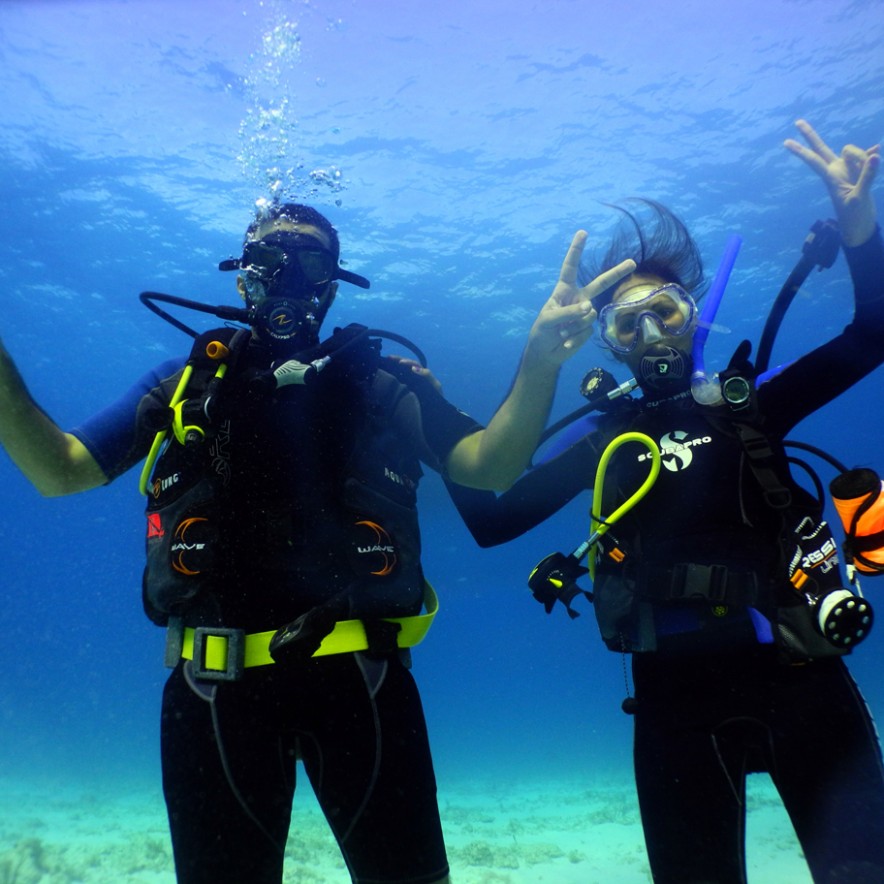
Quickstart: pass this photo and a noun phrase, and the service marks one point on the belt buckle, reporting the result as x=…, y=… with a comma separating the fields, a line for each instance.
x=236, y=653
x=691, y=581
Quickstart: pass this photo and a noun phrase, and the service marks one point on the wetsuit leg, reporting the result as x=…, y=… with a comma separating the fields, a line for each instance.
x=368, y=757
x=827, y=766
x=691, y=784
x=215, y=838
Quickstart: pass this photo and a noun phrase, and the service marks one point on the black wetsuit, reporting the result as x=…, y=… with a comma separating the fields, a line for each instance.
x=355, y=719
x=716, y=703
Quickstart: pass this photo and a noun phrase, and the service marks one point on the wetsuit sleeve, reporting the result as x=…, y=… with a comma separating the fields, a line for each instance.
x=493, y=520
x=442, y=425
x=115, y=437
x=823, y=374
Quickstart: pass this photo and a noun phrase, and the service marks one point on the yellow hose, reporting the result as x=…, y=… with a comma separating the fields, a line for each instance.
x=160, y=437
x=598, y=525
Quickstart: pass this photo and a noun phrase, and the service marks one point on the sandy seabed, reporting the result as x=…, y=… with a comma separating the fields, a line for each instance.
x=497, y=833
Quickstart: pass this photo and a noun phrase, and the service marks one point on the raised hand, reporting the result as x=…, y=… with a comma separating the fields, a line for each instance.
x=565, y=322
x=848, y=177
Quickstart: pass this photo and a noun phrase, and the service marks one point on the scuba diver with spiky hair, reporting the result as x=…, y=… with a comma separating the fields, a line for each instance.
x=283, y=549
x=711, y=565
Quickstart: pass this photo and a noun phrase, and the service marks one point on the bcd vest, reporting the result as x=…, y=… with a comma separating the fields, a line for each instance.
x=715, y=602
x=294, y=495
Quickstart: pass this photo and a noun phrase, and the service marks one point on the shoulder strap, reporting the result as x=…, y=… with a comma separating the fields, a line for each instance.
x=761, y=461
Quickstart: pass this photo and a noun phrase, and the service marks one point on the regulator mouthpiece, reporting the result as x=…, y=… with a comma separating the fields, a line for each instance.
x=664, y=369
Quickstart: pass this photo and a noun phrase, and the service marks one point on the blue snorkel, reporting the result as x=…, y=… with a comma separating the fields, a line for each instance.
x=706, y=390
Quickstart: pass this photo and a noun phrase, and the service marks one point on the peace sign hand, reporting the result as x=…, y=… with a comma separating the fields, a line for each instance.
x=565, y=321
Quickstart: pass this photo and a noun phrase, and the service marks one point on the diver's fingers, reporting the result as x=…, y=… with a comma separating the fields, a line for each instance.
x=814, y=160
x=575, y=340
x=854, y=158
x=608, y=278
x=417, y=368
x=868, y=171
x=575, y=315
x=571, y=264
x=814, y=140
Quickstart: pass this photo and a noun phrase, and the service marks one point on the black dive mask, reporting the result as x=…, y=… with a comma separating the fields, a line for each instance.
x=289, y=265
x=663, y=370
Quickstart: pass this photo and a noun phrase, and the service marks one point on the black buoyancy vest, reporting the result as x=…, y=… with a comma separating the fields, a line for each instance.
x=281, y=500
x=736, y=587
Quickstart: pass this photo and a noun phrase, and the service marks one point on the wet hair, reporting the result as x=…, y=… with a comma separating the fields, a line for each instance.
x=297, y=214
x=660, y=245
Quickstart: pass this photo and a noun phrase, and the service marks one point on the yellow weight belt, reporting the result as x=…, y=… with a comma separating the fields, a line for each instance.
x=347, y=636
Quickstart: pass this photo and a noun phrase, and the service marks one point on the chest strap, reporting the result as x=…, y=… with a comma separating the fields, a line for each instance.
x=222, y=654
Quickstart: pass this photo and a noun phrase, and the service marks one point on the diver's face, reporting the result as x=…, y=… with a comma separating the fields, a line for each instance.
x=646, y=311
x=287, y=259
x=287, y=281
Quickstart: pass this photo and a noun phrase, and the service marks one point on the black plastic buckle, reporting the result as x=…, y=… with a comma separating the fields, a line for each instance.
x=693, y=581
x=236, y=653
x=382, y=636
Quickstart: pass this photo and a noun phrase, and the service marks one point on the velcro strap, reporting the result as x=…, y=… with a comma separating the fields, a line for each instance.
x=215, y=645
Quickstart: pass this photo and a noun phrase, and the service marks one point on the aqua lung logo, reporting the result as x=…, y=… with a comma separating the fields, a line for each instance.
x=676, y=450
x=281, y=320
x=161, y=484
x=373, y=551
x=398, y=479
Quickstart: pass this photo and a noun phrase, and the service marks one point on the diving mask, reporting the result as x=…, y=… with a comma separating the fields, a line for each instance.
x=280, y=252
x=285, y=279
x=666, y=310
x=293, y=263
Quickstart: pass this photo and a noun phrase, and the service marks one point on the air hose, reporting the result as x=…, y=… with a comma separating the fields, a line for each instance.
x=555, y=577
x=160, y=437
x=600, y=526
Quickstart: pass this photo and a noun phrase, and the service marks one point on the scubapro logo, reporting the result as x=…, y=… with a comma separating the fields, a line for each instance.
x=676, y=450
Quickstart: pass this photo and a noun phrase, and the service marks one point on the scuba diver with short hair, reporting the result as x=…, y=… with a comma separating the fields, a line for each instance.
x=719, y=577
x=283, y=550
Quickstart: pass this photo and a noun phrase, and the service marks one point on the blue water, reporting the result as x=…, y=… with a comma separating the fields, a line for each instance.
x=456, y=150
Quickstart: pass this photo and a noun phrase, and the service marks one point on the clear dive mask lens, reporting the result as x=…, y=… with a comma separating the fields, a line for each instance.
x=669, y=308
x=289, y=253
